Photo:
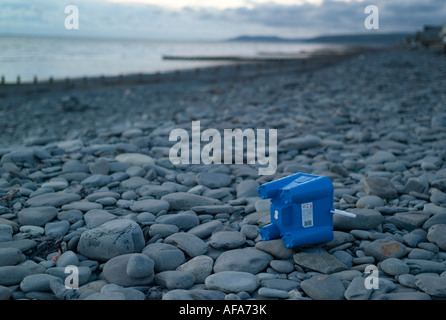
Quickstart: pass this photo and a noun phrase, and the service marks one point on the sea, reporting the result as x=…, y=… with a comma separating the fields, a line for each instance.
x=43, y=58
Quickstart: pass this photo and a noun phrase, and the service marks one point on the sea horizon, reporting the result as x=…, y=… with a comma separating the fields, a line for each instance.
x=41, y=57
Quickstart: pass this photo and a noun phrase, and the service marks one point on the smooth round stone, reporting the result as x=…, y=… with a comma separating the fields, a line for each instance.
x=175, y=279
x=34, y=231
x=432, y=285
x=407, y=280
x=437, y=235
x=129, y=270
x=163, y=230
x=273, y=293
x=190, y=244
x=95, y=218
x=369, y=202
x=417, y=253
x=96, y=181
x=72, y=216
x=37, y=216
x=213, y=180
x=146, y=218
x=248, y=259
x=227, y=240
x=232, y=282
x=250, y=231
x=178, y=294
x=165, y=256
x=12, y=275
x=151, y=205
x=140, y=266
x=276, y=248
x=394, y=267
x=282, y=266
x=68, y=258
x=83, y=206
x=55, y=199
x=107, y=201
x=57, y=229
x=37, y=282
x=412, y=239
x=134, y=183
x=56, y=184
x=11, y=256
x=185, y=201
x=247, y=188
x=136, y=159
x=204, y=230
x=100, y=166
x=200, y=267
x=383, y=249
x=184, y=220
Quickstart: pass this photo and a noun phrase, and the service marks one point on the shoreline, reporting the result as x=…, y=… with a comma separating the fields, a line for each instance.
x=86, y=181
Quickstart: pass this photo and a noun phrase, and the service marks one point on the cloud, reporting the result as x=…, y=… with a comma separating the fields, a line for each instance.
x=195, y=20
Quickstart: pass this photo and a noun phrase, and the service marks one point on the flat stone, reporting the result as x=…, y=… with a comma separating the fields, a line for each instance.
x=300, y=143
x=56, y=229
x=216, y=209
x=380, y=187
x=95, y=218
x=151, y=205
x=213, y=180
x=232, y=282
x=175, y=279
x=200, y=267
x=23, y=244
x=111, y=239
x=418, y=266
x=37, y=282
x=407, y=220
x=439, y=218
x=97, y=180
x=248, y=259
x=432, y=285
x=280, y=284
x=383, y=249
x=11, y=256
x=12, y=275
x=56, y=183
x=100, y=166
x=37, y=216
x=127, y=270
x=204, y=230
x=136, y=159
x=185, y=201
x=369, y=202
x=273, y=293
x=188, y=243
x=247, y=188
x=282, y=266
x=165, y=256
x=438, y=197
x=394, y=267
x=68, y=258
x=184, y=220
x=83, y=206
x=227, y=240
x=163, y=230
x=72, y=216
x=356, y=290
x=5, y=293
x=323, y=287
x=56, y=199
x=276, y=248
x=380, y=157
x=437, y=235
x=134, y=183
x=319, y=261
x=178, y=294
x=366, y=219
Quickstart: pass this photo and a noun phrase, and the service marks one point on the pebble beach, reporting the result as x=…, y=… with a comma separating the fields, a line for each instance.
x=86, y=181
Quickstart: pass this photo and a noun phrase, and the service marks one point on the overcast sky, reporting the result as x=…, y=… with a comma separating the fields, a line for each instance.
x=215, y=19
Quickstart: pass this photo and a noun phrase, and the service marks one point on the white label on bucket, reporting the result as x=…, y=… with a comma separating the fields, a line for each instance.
x=307, y=214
